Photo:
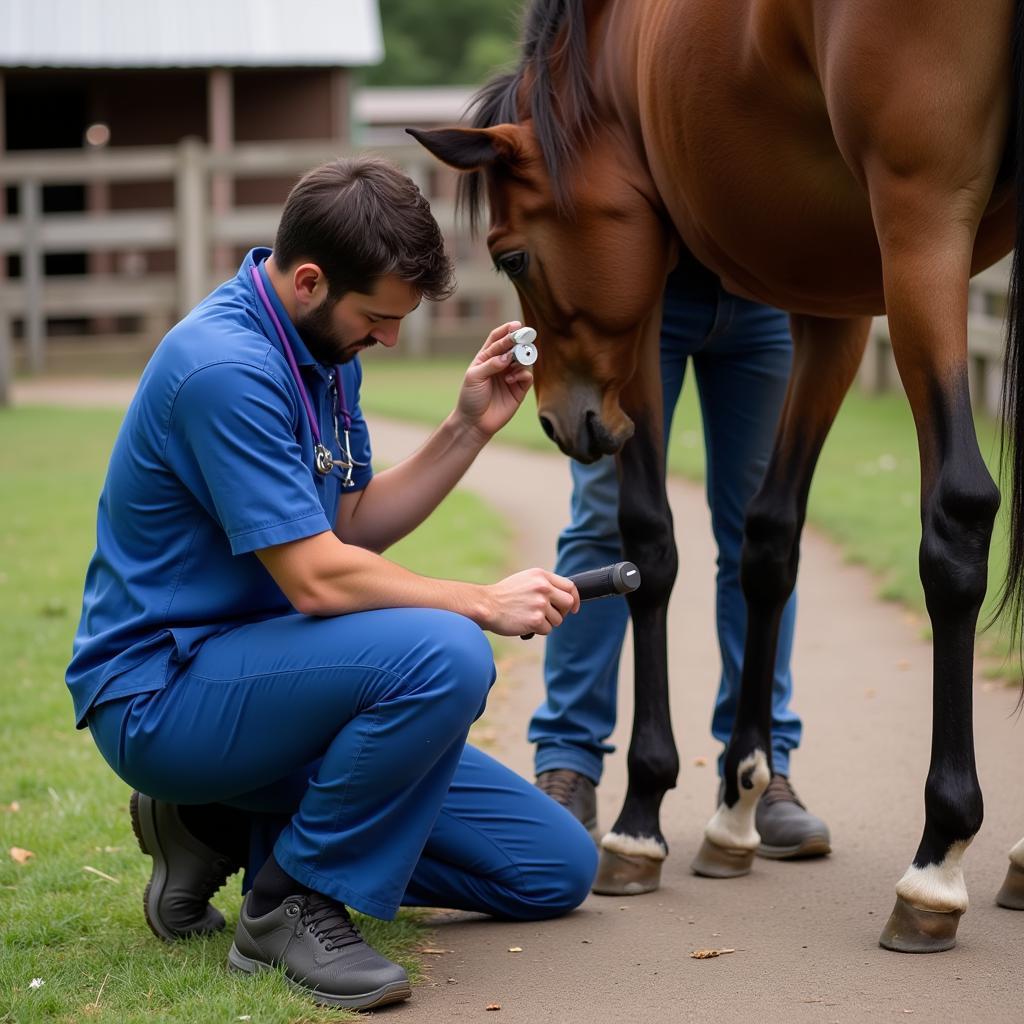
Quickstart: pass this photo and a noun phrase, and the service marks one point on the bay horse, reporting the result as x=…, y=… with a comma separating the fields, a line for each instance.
x=837, y=159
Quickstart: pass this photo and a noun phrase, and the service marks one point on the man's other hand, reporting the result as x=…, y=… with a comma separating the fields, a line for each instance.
x=494, y=385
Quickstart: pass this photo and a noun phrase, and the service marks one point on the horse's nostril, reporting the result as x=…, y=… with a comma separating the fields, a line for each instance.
x=548, y=426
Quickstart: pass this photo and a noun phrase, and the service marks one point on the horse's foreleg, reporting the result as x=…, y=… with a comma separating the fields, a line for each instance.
x=826, y=354
x=926, y=236
x=633, y=851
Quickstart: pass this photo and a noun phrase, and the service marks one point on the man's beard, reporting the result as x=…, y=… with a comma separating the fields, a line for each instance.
x=322, y=339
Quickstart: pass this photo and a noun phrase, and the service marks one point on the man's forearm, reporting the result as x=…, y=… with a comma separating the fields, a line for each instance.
x=321, y=576
x=400, y=498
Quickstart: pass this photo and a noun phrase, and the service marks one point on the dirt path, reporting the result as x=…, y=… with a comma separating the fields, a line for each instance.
x=805, y=934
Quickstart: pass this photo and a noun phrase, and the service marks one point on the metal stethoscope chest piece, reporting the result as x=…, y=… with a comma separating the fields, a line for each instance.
x=525, y=351
x=324, y=460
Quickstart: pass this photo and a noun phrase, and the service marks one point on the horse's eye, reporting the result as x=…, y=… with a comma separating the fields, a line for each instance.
x=512, y=263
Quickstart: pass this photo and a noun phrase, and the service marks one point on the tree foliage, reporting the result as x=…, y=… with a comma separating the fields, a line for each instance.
x=451, y=42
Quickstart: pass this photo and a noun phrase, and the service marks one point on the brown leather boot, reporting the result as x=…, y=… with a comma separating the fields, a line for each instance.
x=575, y=792
x=788, y=830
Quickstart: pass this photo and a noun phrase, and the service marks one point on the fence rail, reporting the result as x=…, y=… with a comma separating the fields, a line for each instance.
x=194, y=228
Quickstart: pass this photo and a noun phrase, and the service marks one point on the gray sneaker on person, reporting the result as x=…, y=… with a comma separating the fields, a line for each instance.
x=788, y=830
x=186, y=872
x=575, y=792
x=314, y=939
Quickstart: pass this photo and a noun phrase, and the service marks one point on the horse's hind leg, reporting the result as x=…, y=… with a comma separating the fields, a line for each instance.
x=826, y=354
x=926, y=233
x=1011, y=895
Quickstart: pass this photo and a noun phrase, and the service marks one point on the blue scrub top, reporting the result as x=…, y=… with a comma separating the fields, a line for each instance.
x=214, y=460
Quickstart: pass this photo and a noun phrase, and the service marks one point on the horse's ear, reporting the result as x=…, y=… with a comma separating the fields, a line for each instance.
x=466, y=149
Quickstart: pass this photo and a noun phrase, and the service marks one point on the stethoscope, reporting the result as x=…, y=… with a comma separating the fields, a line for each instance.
x=323, y=459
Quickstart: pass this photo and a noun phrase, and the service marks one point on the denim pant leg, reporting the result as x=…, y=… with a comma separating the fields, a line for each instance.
x=581, y=657
x=742, y=375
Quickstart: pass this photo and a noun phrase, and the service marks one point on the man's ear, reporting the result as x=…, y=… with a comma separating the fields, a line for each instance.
x=469, y=149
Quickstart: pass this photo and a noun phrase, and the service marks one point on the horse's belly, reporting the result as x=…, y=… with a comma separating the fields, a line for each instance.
x=742, y=150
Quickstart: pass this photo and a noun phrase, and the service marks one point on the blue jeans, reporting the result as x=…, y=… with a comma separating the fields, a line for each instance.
x=345, y=740
x=741, y=354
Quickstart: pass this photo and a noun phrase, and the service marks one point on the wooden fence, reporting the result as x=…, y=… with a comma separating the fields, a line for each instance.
x=193, y=229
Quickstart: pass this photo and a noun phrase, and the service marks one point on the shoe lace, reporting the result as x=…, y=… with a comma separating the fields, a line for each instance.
x=780, y=789
x=560, y=784
x=330, y=922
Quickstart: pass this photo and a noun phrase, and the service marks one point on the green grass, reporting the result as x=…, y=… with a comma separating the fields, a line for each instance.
x=84, y=935
x=865, y=491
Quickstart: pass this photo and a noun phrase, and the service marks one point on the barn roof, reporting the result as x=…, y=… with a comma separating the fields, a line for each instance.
x=189, y=33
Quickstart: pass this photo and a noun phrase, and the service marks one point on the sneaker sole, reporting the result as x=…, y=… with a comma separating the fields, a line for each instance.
x=394, y=992
x=812, y=846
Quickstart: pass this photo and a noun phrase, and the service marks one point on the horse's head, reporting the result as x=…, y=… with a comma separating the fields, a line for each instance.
x=588, y=260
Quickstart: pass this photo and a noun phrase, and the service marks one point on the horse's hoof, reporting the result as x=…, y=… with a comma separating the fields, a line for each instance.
x=720, y=862
x=621, y=874
x=910, y=930
x=1011, y=895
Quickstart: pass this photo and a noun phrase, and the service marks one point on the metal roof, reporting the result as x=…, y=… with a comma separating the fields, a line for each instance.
x=189, y=33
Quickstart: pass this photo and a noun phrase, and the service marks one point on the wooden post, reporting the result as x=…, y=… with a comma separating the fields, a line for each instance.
x=341, y=105
x=220, y=116
x=31, y=210
x=190, y=203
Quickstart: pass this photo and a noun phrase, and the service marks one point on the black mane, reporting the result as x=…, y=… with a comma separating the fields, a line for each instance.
x=554, y=46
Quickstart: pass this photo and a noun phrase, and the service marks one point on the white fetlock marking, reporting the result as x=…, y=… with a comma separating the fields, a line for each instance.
x=939, y=888
x=634, y=846
x=733, y=827
x=1017, y=855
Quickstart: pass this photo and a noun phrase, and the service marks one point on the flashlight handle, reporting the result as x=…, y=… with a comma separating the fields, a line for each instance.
x=620, y=578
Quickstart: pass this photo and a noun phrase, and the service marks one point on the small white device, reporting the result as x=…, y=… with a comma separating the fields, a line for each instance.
x=525, y=351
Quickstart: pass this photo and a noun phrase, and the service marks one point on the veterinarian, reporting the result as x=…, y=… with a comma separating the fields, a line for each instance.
x=279, y=695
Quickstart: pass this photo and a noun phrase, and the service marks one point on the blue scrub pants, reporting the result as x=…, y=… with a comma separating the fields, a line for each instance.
x=741, y=354
x=347, y=736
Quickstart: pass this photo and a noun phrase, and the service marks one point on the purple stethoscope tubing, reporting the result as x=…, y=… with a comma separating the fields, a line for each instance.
x=339, y=389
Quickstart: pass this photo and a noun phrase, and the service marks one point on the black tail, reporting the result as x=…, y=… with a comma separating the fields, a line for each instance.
x=1012, y=448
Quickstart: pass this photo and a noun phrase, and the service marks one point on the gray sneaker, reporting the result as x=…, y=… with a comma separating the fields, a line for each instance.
x=788, y=830
x=186, y=872
x=322, y=953
x=575, y=792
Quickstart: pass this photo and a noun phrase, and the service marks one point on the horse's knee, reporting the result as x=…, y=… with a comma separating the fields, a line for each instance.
x=956, y=531
x=768, y=562
x=652, y=546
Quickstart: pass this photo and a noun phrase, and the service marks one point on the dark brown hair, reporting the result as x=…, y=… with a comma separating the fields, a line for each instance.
x=358, y=220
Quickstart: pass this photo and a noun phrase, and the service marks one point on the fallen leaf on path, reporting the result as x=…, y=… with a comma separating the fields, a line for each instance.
x=515, y=949
x=102, y=874
x=903, y=664
x=707, y=954
x=700, y=762
x=437, y=952
x=20, y=856
x=493, y=1006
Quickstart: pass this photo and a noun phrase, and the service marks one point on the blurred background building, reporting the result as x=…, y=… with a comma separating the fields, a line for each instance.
x=144, y=147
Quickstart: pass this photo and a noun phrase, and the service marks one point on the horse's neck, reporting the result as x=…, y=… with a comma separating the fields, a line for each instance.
x=613, y=43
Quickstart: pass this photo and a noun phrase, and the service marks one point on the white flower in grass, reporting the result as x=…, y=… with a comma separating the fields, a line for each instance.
x=36, y=983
